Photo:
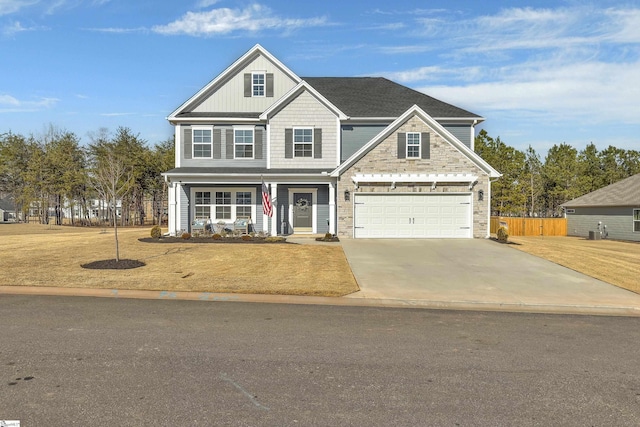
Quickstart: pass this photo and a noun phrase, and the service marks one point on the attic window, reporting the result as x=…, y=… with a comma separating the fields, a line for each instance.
x=413, y=145
x=258, y=84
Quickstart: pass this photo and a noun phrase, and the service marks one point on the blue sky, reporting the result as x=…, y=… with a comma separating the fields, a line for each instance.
x=541, y=74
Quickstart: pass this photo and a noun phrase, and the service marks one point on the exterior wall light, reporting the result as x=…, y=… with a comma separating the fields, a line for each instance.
x=347, y=195
x=480, y=195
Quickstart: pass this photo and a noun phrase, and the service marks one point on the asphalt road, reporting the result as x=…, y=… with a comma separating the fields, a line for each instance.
x=68, y=361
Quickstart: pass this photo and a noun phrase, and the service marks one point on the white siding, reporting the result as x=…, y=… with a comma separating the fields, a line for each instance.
x=230, y=97
x=304, y=111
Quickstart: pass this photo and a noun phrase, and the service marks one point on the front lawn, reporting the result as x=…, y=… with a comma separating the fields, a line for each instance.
x=43, y=255
x=611, y=261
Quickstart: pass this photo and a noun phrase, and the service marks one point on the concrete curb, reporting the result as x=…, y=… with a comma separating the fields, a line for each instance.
x=626, y=311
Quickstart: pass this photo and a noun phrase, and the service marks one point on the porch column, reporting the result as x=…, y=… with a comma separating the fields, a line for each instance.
x=274, y=206
x=332, y=208
x=173, y=209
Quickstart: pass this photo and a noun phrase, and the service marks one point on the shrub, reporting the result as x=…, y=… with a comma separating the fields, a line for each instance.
x=186, y=236
x=216, y=236
x=328, y=236
x=503, y=234
x=275, y=239
x=156, y=232
x=246, y=237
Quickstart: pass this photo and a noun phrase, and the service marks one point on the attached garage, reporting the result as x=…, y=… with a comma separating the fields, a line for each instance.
x=422, y=215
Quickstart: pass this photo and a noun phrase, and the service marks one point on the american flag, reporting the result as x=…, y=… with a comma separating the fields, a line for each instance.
x=266, y=201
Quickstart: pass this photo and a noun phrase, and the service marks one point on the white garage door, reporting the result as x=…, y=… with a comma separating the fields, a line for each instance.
x=412, y=215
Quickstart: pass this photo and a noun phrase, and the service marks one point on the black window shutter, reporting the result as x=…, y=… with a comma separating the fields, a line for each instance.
x=247, y=85
x=402, y=145
x=257, y=144
x=217, y=143
x=317, y=143
x=288, y=143
x=186, y=142
x=269, y=84
x=229, y=144
x=426, y=145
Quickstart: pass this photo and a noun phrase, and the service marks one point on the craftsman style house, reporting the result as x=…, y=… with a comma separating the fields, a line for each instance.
x=356, y=157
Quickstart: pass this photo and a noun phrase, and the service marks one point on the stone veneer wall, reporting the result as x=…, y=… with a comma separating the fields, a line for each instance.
x=383, y=158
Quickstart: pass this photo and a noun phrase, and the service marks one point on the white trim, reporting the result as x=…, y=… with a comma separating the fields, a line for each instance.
x=201, y=127
x=264, y=84
x=274, y=206
x=233, y=204
x=431, y=122
x=253, y=143
x=299, y=88
x=303, y=128
x=332, y=208
x=178, y=147
x=314, y=208
x=406, y=146
x=214, y=119
x=338, y=141
x=268, y=129
x=238, y=65
x=411, y=177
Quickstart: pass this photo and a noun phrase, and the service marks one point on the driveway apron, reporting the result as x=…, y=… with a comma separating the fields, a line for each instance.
x=478, y=273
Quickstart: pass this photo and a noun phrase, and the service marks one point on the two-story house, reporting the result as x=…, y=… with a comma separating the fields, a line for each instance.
x=357, y=157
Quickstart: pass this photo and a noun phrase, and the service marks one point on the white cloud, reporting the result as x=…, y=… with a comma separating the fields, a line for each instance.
x=10, y=104
x=11, y=6
x=593, y=91
x=14, y=28
x=116, y=114
x=206, y=3
x=254, y=18
x=115, y=30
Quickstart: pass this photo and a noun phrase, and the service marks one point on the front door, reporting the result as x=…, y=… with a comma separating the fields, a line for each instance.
x=302, y=212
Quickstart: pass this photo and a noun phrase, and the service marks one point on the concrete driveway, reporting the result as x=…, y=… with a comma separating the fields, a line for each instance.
x=477, y=274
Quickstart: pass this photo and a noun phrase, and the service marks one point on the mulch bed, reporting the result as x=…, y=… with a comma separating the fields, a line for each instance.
x=112, y=264
x=207, y=240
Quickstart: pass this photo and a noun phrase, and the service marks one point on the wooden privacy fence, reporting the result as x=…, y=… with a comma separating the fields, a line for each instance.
x=531, y=226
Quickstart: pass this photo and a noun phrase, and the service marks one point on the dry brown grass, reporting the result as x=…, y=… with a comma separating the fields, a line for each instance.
x=611, y=261
x=43, y=255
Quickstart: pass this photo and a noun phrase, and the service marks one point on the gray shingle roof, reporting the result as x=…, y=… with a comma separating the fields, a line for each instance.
x=379, y=97
x=621, y=193
x=6, y=205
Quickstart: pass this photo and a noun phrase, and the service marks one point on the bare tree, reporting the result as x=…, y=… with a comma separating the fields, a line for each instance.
x=111, y=179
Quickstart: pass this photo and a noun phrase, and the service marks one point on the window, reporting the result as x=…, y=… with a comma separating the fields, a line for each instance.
x=636, y=220
x=243, y=204
x=413, y=145
x=257, y=84
x=243, y=142
x=223, y=205
x=303, y=142
x=202, y=143
x=203, y=202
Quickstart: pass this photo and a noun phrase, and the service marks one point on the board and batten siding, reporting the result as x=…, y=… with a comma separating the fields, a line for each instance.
x=462, y=132
x=304, y=111
x=230, y=96
x=619, y=222
x=222, y=151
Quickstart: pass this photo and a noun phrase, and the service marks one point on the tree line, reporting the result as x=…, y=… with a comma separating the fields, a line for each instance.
x=54, y=172
x=531, y=187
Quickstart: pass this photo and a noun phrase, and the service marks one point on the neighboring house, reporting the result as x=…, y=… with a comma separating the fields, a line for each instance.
x=616, y=206
x=357, y=157
x=7, y=211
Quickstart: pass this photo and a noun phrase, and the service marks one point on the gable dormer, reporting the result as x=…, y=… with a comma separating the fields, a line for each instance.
x=248, y=87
